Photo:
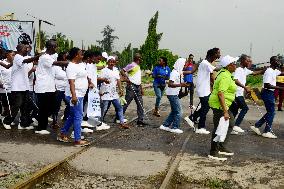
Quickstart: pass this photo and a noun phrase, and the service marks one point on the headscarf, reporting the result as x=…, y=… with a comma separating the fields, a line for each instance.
x=179, y=64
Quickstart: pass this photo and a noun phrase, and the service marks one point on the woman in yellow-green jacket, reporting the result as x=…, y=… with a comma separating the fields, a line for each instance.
x=221, y=98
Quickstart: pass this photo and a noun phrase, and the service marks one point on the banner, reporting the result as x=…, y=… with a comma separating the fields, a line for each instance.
x=13, y=32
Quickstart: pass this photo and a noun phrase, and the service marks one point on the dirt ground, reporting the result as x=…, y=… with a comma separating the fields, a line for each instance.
x=258, y=162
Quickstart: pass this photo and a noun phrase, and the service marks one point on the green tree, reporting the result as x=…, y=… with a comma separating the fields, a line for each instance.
x=63, y=44
x=169, y=55
x=108, y=39
x=43, y=38
x=149, y=50
x=95, y=48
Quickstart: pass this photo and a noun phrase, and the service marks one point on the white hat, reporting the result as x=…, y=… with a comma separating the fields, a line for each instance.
x=105, y=55
x=110, y=58
x=226, y=60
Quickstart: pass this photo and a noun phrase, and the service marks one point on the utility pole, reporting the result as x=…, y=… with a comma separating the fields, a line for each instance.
x=250, y=50
x=39, y=30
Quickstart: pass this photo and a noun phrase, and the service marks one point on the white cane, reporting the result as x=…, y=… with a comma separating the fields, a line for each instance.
x=6, y=92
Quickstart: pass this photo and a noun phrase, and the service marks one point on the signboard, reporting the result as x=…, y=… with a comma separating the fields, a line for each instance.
x=13, y=32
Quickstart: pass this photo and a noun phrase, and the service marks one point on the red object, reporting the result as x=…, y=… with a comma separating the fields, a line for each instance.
x=280, y=94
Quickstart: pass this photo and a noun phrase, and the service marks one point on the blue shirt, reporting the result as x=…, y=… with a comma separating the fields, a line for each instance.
x=189, y=77
x=161, y=71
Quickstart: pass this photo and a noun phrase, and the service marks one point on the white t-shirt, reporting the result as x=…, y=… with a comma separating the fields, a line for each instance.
x=79, y=73
x=31, y=77
x=5, y=77
x=19, y=77
x=92, y=73
x=45, y=81
x=203, y=78
x=270, y=77
x=109, y=91
x=241, y=75
x=134, y=73
x=61, y=80
x=175, y=77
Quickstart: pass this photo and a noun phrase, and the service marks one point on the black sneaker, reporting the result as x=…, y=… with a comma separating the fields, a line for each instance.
x=216, y=156
x=280, y=109
x=226, y=152
x=141, y=124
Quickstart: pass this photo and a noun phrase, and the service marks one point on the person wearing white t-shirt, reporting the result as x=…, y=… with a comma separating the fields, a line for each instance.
x=267, y=95
x=5, y=84
x=240, y=77
x=109, y=92
x=61, y=82
x=90, y=59
x=78, y=84
x=20, y=88
x=172, y=123
x=45, y=86
x=132, y=72
x=203, y=90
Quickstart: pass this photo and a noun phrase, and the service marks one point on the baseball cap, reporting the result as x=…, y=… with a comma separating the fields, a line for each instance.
x=226, y=60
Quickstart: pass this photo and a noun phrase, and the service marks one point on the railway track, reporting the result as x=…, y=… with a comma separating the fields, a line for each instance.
x=43, y=173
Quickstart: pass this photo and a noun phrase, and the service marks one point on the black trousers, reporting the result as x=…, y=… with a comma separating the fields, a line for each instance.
x=4, y=108
x=46, y=106
x=19, y=101
x=202, y=112
x=217, y=114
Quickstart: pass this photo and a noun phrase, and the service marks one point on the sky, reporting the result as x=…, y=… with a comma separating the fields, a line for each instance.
x=188, y=26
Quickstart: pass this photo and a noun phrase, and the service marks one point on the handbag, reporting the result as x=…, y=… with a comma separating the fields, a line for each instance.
x=183, y=91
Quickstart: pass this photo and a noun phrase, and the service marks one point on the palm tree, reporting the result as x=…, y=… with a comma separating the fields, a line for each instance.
x=43, y=38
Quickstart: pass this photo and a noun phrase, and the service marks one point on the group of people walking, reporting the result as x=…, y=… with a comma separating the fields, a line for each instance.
x=36, y=86
x=224, y=94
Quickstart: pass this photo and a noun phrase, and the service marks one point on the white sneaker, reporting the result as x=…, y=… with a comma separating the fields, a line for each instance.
x=234, y=132
x=29, y=128
x=118, y=121
x=42, y=132
x=103, y=127
x=238, y=129
x=50, y=119
x=20, y=127
x=87, y=130
x=73, y=136
x=177, y=131
x=13, y=123
x=189, y=122
x=8, y=127
x=162, y=127
x=35, y=122
x=86, y=124
x=269, y=135
x=219, y=158
x=256, y=130
x=202, y=131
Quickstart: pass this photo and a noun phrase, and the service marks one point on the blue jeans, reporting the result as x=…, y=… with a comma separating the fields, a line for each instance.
x=269, y=102
x=75, y=118
x=159, y=90
x=175, y=115
x=239, y=103
x=60, y=95
x=118, y=109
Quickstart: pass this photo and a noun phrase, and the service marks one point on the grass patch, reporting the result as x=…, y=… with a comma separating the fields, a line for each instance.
x=254, y=81
x=180, y=181
x=13, y=179
x=149, y=92
x=147, y=79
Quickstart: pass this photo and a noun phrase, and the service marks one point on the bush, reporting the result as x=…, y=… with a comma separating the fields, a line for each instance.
x=254, y=81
